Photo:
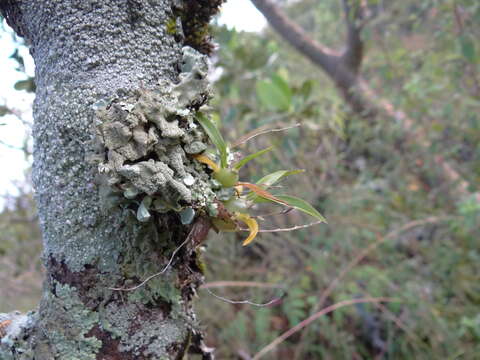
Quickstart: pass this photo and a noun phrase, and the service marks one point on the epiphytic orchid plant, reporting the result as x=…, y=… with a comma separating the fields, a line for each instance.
x=233, y=209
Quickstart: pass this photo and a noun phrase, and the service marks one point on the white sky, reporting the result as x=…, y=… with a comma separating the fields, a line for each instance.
x=242, y=15
x=238, y=14
x=12, y=161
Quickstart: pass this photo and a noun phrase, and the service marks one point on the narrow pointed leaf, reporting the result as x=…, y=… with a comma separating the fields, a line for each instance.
x=215, y=136
x=206, y=160
x=252, y=225
x=270, y=179
x=262, y=193
x=237, y=166
x=266, y=129
x=301, y=205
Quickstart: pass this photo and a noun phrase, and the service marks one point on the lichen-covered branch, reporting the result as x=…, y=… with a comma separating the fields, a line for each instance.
x=117, y=94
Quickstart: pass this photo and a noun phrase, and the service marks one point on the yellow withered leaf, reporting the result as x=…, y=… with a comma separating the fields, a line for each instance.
x=206, y=160
x=252, y=225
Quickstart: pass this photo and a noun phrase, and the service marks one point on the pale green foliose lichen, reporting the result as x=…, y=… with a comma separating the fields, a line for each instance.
x=145, y=142
x=70, y=339
x=153, y=336
x=68, y=342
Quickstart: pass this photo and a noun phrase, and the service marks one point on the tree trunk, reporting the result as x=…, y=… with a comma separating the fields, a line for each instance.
x=123, y=59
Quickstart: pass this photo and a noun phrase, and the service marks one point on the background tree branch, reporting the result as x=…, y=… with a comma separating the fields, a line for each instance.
x=344, y=71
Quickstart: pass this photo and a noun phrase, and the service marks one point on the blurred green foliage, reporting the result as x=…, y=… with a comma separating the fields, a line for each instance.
x=368, y=179
x=21, y=272
x=373, y=185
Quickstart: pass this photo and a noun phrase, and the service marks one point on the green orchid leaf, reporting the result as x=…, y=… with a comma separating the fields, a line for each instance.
x=238, y=165
x=215, y=136
x=270, y=179
x=261, y=192
x=293, y=202
x=301, y=205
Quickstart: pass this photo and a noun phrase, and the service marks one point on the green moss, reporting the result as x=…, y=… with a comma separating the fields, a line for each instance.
x=172, y=26
x=195, y=16
x=200, y=263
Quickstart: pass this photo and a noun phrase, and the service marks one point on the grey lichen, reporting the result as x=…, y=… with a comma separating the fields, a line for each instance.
x=15, y=325
x=145, y=142
x=71, y=340
x=152, y=337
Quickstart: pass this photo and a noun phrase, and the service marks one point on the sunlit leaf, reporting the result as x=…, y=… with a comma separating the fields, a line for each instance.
x=206, y=160
x=293, y=202
x=270, y=179
x=301, y=205
x=215, y=136
x=237, y=166
x=252, y=225
x=262, y=192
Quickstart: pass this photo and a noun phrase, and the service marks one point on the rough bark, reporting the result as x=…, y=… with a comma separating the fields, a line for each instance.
x=117, y=54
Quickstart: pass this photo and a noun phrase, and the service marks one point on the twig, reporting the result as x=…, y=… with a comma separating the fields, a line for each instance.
x=283, y=212
x=244, y=355
x=416, y=341
x=219, y=284
x=13, y=147
x=287, y=229
x=274, y=301
x=157, y=274
x=314, y=317
x=243, y=140
x=370, y=248
x=361, y=255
